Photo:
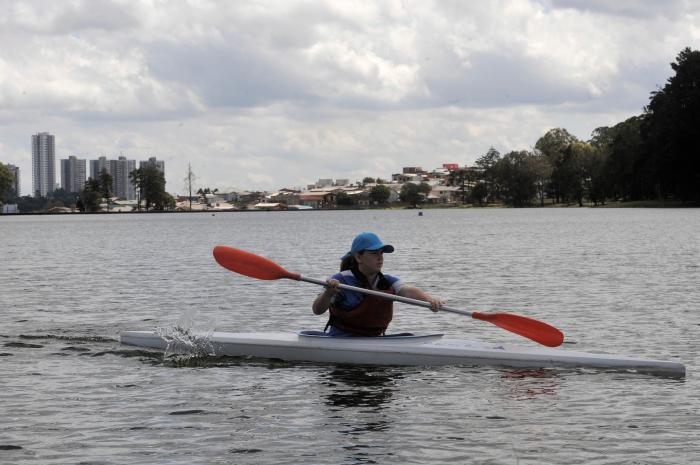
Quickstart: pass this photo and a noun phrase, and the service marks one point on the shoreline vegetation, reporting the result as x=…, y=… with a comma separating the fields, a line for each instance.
x=614, y=204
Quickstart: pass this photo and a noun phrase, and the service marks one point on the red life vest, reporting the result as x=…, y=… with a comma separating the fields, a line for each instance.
x=370, y=318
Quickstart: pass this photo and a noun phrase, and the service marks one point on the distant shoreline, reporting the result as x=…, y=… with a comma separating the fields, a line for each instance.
x=620, y=204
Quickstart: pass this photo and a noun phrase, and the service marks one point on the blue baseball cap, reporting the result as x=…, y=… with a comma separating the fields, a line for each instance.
x=367, y=241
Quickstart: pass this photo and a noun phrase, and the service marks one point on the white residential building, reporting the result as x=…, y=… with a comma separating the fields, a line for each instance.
x=43, y=164
x=73, y=174
x=120, y=170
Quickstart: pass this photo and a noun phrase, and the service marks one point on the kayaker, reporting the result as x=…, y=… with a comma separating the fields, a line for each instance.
x=356, y=314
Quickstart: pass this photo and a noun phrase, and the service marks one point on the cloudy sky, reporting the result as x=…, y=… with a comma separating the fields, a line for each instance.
x=269, y=94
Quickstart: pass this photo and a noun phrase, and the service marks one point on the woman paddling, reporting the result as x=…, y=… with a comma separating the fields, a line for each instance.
x=356, y=314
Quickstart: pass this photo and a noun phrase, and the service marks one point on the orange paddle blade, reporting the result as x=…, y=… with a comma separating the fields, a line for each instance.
x=536, y=330
x=249, y=264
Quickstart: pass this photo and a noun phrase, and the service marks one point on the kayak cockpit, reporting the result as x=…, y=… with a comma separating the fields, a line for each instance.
x=398, y=337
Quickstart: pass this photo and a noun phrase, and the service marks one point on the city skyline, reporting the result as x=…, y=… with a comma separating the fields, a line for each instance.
x=74, y=171
x=259, y=97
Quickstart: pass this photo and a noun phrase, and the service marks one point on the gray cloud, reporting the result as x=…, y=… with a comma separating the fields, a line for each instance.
x=500, y=80
x=233, y=74
x=671, y=9
x=57, y=18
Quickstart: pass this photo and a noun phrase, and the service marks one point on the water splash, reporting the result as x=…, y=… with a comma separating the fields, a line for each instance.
x=189, y=337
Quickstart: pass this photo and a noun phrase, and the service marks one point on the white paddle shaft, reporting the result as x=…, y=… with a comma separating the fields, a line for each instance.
x=384, y=295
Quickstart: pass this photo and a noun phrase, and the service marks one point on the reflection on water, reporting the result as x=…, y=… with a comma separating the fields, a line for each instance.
x=359, y=404
x=361, y=386
x=530, y=383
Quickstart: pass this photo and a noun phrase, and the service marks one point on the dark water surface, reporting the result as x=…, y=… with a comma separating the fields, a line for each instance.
x=614, y=280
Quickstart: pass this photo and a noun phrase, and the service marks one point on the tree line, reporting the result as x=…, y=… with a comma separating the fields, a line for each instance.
x=653, y=156
x=149, y=182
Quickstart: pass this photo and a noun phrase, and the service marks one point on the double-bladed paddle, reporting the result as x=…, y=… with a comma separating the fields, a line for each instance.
x=255, y=266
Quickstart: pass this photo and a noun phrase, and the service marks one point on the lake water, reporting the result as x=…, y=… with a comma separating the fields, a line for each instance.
x=622, y=281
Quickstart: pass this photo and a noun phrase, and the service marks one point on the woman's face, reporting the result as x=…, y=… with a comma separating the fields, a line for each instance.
x=370, y=261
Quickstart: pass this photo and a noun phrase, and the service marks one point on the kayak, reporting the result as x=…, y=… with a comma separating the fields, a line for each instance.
x=403, y=349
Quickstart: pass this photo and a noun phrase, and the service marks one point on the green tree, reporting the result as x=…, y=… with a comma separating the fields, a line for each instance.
x=65, y=198
x=106, y=182
x=598, y=179
x=165, y=202
x=670, y=130
x=368, y=180
x=29, y=204
x=479, y=193
x=517, y=174
x=600, y=186
x=554, y=142
x=601, y=137
x=626, y=172
x=90, y=197
x=414, y=194
x=487, y=164
x=5, y=184
x=542, y=171
x=553, y=146
x=343, y=199
x=573, y=170
x=460, y=178
x=379, y=194
x=151, y=185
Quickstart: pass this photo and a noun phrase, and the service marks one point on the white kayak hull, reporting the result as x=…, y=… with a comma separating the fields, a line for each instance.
x=427, y=350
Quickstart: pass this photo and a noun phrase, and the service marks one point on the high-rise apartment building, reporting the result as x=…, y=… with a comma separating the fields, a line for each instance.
x=153, y=162
x=14, y=187
x=96, y=167
x=72, y=174
x=120, y=170
x=43, y=164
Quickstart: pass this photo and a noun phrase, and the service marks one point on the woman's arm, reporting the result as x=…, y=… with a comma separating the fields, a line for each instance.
x=323, y=300
x=415, y=293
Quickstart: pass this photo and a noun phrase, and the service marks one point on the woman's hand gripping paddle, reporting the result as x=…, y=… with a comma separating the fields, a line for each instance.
x=255, y=266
